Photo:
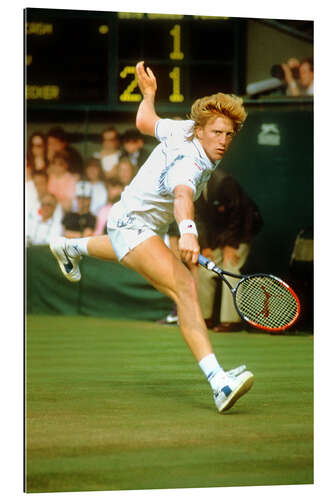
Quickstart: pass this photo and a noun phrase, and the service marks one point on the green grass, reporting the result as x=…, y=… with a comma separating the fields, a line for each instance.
x=116, y=405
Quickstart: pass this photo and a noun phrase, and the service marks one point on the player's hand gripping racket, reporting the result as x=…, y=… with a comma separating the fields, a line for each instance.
x=263, y=300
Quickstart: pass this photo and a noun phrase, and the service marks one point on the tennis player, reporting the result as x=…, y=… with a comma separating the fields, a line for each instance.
x=164, y=189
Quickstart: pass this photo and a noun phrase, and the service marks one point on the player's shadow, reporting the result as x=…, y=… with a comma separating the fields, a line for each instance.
x=196, y=397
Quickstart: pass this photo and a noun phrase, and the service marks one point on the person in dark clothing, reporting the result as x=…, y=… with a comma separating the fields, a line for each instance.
x=227, y=221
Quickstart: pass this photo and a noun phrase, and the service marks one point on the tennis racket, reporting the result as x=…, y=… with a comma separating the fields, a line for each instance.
x=262, y=300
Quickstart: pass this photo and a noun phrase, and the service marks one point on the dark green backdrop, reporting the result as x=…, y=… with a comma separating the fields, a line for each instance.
x=279, y=178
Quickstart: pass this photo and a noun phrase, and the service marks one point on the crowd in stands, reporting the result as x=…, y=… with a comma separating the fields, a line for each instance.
x=69, y=196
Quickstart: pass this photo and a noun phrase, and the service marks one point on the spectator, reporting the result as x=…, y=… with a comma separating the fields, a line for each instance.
x=80, y=223
x=124, y=170
x=43, y=225
x=40, y=179
x=37, y=189
x=94, y=174
x=304, y=84
x=133, y=143
x=61, y=181
x=36, y=152
x=40, y=182
x=57, y=142
x=110, y=152
x=227, y=221
x=114, y=190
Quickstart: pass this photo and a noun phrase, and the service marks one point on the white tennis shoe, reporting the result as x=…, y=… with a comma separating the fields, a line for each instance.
x=233, y=389
x=68, y=257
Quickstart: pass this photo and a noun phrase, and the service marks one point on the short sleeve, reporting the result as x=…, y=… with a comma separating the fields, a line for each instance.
x=163, y=128
x=173, y=131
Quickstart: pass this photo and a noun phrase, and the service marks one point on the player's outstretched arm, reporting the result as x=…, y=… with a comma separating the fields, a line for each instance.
x=146, y=116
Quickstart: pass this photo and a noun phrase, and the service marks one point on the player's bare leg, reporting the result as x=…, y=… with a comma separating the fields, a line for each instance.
x=100, y=247
x=155, y=261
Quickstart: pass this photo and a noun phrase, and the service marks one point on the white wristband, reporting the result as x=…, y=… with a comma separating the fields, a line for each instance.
x=187, y=226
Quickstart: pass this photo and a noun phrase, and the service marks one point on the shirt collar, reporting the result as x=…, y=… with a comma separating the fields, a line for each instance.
x=202, y=152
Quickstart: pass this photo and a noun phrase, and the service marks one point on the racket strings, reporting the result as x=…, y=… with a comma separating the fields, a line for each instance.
x=266, y=301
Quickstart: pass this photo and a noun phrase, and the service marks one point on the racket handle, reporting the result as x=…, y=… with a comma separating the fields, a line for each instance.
x=203, y=261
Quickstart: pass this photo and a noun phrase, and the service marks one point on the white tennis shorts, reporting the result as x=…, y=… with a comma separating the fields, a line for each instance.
x=127, y=232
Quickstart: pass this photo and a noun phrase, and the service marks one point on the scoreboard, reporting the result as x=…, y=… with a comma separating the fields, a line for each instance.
x=76, y=59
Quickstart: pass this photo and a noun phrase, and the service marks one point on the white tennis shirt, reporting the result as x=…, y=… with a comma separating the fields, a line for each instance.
x=148, y=200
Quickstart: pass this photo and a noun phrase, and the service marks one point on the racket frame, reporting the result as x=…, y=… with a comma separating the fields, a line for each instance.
x=211, y=266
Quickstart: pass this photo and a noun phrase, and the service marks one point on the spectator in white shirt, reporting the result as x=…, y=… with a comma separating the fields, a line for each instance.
x=110, y=152
x=38, y=190
x=43, y=226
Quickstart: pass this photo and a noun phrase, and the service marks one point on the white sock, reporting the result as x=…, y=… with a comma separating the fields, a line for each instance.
x=213, y=371
x=77, y=246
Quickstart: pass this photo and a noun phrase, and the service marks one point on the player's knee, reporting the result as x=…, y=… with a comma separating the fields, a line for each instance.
x=186, y=287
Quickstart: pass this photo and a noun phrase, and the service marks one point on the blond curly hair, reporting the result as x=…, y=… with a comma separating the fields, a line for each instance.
x=218, y=104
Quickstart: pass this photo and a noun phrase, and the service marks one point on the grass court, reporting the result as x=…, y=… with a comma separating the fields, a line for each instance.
x=122, y=405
